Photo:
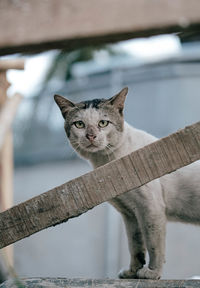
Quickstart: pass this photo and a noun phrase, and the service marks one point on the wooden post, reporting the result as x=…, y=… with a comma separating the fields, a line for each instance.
x=6, y=147
x=7, y=114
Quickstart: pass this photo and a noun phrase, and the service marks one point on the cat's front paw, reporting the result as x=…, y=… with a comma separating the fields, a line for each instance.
x=127, y=274
x=146, y=273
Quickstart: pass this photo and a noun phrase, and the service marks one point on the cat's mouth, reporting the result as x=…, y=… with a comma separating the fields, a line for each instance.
x=91, y=146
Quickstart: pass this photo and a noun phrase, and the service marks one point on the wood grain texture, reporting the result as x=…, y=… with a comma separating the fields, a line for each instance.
x=16, y=64
x=100, y=283
x=7, y=114
x=83, y=193
x=27, y=26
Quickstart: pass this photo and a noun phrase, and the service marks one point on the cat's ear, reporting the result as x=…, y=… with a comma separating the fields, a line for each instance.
x=64, y=104
x=118, y=100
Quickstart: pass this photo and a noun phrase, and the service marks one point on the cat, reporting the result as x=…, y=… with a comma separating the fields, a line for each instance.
x=98, y=132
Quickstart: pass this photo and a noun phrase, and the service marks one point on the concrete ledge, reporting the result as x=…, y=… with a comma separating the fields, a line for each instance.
x=103, y=283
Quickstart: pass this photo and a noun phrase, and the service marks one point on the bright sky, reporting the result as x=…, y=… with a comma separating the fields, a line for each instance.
x=153, y=47
x=148, y=49
x=28, y=80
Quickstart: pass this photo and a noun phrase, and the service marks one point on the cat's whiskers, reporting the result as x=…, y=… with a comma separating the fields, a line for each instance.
x=108, y=148
x=78, y=148
x=72, y=152
x=76, y=145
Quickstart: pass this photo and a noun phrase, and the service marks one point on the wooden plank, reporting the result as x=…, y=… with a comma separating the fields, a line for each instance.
x=100, y=283
x=70, y=24
x=83, y=193
x=7, y=114
x=17, y=64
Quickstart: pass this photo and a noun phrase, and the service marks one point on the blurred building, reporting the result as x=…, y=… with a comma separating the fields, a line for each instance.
x=164, y=95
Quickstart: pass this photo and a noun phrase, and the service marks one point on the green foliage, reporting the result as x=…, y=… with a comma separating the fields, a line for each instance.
x=62, y=63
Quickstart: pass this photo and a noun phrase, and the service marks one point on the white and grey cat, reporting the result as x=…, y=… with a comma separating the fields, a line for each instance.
x=97, y=131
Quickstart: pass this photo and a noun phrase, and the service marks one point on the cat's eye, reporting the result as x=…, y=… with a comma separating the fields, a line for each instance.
x=103, y=123
x=79, y=124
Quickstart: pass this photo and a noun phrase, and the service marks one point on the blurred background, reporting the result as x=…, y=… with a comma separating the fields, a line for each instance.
x=163, y=76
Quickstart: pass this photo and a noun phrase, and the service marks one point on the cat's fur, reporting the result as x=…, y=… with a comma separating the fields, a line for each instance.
x=145, y=210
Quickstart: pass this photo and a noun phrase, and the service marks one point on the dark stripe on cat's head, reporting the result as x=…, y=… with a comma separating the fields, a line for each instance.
x=95, y=103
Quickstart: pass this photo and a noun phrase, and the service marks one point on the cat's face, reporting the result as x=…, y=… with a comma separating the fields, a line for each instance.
x=95, y=125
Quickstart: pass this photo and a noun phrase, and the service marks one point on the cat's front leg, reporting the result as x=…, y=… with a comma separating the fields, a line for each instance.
x=136, y=247
x=154, y=226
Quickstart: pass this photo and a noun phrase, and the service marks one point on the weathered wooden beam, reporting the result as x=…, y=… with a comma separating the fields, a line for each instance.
x=30, y=26
x=7, y=114
x=99, y=283
x=16, y=64
x=83, y=193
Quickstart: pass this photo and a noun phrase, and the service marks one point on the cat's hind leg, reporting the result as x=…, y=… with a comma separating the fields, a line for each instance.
x=136, y=247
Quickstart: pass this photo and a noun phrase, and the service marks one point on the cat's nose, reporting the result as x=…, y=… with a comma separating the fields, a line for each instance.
x=90, y=137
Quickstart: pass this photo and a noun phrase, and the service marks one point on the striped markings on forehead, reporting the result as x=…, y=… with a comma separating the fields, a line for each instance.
x=90, y=114
x=90, y=110
x=95, y=103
